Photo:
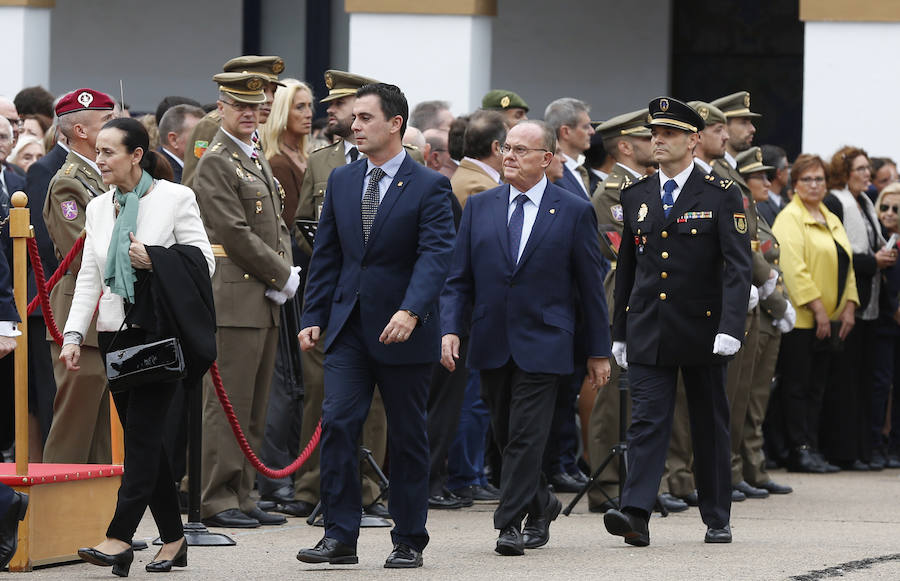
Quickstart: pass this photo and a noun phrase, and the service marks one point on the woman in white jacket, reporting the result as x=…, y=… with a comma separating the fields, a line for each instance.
x=138, y=210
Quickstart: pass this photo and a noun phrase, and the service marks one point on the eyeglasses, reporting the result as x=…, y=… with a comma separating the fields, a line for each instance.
x=818, y=180
x=885, y=208
x=519, y=150
x=243, y=106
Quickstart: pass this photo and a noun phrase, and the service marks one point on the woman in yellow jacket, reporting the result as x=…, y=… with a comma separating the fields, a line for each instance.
x=816, y=259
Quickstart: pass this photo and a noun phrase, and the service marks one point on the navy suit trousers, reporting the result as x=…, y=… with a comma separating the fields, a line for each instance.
x=351, y=374
x=652, y=407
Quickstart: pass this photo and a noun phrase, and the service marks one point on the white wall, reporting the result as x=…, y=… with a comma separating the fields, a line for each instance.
x=610, y=53
x=851, y=86
x=25, y=48
x=158, y=48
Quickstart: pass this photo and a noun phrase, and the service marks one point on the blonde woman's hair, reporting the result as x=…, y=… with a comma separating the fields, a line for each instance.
x=278, y=118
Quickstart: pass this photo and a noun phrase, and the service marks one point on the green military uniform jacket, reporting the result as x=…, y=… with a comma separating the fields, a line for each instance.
x=241, y=209
x=760, y=267
x=201, y=138
x=775, y=304
x=71, y=189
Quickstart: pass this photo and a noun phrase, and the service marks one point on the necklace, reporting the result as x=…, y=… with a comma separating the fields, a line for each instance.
x=294, y=149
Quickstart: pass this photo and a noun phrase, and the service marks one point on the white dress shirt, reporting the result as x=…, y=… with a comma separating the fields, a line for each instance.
x=390, y=168
x=730, y=159
x=529, y=208
x=495, y=175
x=679, y=182
x=637, y=175
x=247, y=148
x=173, y=156
x=572, y=165
x=90, y=162
x=703, y=165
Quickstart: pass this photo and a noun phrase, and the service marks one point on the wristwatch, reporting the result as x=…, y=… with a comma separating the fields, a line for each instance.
x=411, y=314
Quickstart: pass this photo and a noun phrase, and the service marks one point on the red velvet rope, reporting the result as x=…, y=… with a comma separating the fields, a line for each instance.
x=44, y=287
x=242, y=440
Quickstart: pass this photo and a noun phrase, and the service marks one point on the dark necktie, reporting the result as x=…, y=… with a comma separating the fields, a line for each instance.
x=585, y=178
x=514, y=228
x=354, y=154
x=370, y=202
x=667, y=200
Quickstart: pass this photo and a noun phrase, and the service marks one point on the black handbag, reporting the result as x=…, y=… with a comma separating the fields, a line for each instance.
x=158, y=362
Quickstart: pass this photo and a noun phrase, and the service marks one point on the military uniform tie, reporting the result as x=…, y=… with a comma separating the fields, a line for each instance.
x=370, y=202
x=514, y=228
x=354, y=153
x=667, y=200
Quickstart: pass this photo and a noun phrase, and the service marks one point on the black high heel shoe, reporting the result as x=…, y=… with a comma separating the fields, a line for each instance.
x=165, y=565
x=121, y=562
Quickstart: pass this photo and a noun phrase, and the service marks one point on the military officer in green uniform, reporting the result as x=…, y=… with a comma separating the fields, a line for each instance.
x=776, y=316
x=79, y=433
x=513, y=107
x=342, y=87
x=626, y=140
x=241, y=209
x=267, y=67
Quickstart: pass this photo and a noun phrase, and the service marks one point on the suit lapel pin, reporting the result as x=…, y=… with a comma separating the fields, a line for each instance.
x=552, y=210
x=399, y=184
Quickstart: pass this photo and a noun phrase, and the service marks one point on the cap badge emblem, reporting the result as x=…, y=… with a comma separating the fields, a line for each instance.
x=504, y=102
x=663, y=105
x=85, y=98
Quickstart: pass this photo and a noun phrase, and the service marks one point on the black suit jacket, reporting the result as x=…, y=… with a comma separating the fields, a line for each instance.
x=684, y=278
x=176, y=167
x=37, y=181
x=7, y=304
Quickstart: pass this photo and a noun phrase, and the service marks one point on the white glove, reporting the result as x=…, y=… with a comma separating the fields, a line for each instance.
x=786, y=323
x=618, y=351
x=768, y=287
x=277, y=297
x=726, y=344
x=754, y=298
x=293, y=281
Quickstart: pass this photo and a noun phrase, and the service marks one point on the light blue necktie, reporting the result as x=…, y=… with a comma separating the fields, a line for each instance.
x=667, y=200
x=514, y=228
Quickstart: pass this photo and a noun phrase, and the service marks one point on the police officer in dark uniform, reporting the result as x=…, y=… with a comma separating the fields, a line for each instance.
x=682, y=281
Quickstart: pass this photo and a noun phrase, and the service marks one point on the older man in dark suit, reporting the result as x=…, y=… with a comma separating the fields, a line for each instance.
x=382, y=253
x=523, y=252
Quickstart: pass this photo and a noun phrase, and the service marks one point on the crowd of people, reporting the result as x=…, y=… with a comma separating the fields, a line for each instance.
x=473, y=301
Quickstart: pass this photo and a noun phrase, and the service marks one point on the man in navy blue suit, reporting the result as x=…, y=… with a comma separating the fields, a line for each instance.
x=381, y=256
x=524, y=251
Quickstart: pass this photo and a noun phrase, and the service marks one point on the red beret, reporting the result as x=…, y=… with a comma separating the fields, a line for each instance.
x=84, y=100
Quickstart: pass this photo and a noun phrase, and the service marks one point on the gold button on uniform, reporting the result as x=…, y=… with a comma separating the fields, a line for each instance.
x=665, y=254
x=664, y=274
x=664, y=234
x=662, y=296
x=775, y=261
x=709, y=313
x=273, y=281
x=246, y=276
x=693, y=230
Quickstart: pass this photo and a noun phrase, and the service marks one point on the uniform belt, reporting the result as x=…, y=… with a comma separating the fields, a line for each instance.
x=754, y=245
x=219, y=251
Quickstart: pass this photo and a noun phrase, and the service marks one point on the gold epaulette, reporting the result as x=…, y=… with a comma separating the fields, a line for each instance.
x=69, y=168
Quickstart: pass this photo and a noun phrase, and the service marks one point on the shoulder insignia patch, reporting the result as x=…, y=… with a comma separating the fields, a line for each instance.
x=69, y=168
x=320, y=148
x=740, y=223
x=200, y=148
x=614, y=185
x=627, y=183
x=725, y=184
x=69, y=209
x=617, y=213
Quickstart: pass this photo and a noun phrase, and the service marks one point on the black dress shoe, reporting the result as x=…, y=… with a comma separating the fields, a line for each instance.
x=282, y=495
x=536, y=532
x=9, y=528
x=478, y=494
x=296, y=508
x=464, y=501
x=878, y=461
x=672, y=503
x=510, y=542
x=579, y=477
x=855, y=466
x=737, y=495
x=628, y=525
x=893, y=461
x=232, y=518
x=751, y=491
x=802, y=460
x=722, y=535
x=443, y=502
x=377, y=509
x=403, y=557
x=605, y=505
x=691, y=498
x=266, y=518
x=827, y=467
x=121, y=562
x=331, y=551
x=563, y=482
x=775, y=488
x=138, y=545
x=165, y=565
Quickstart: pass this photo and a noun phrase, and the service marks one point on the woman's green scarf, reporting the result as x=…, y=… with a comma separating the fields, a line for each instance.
x=120, y=276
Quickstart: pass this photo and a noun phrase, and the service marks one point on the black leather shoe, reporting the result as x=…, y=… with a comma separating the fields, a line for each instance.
x=802, y=460
x=444, y=502
x=579, y=477
x=478, y=494
x=296, y=508
x=563, y=482
x=827, y=467
x=464, y=501
x=9, y=528
x=536, y=532
x=266, y=518
x=510, y=542
x=138, y=545
x=751, y=491
x=377, y=509
x=855, y=466
x=722, y=535
x=331, y=551
x=737, y=495
x=691, y=498
x=232, y=518
x=878, y=461
x=165, y=565
x=121, y=562
x=628, y=525
x=605, y=505
x=282, y=495
x=672, y=503
x=775, y=488
x=403, y=557
x=893, y=461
